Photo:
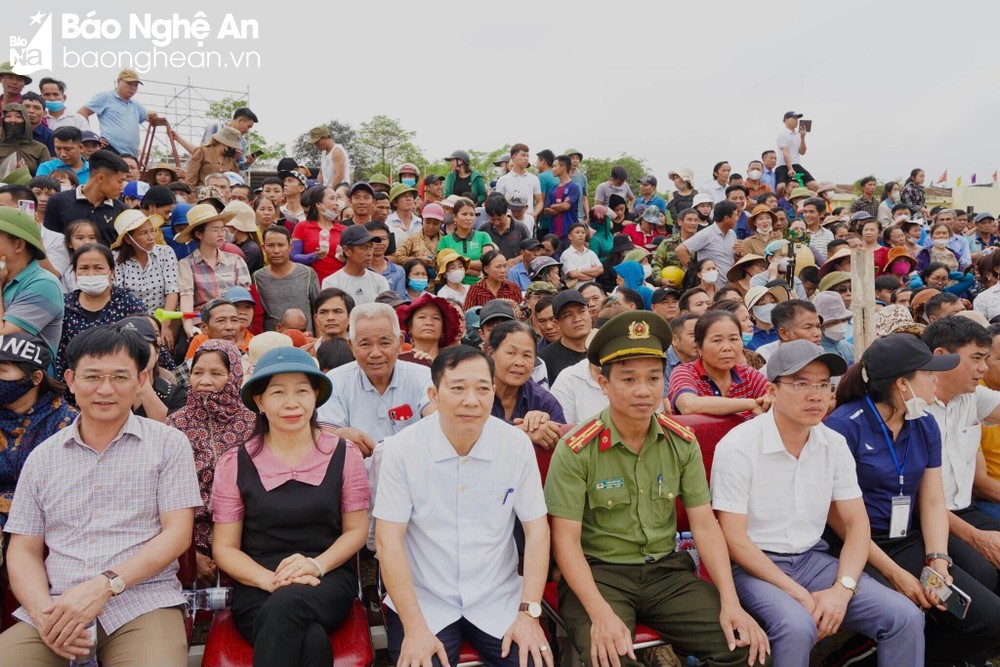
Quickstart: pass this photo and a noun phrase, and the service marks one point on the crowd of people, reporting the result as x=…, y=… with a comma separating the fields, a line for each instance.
x=289, y=370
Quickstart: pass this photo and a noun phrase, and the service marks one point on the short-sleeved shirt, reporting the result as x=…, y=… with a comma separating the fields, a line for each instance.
x=792, y=140
x=65, y=207
x=574, y=260
x=527, y=184
x=625, y=501
x=691, y=378
x=548, y=181
x=580, y=179
x=204, y=282
x=227, y=505
x=578, y=393
x=46, y=169
x=961, y=424
x=606, y=189
x=356, y=403
x=363, y=288
x=711, y=243
x=120, y=120
x=97, y=510
x=460, y=513
x=917, y=447
x=470, y=247
x=153, y=283
x=33, y=301
x=786, y=500
x=279, y=293
x=530, y=397
x=656, y=200
x=558, y=357
x=518, y=275
x=563, y=193
x=509, y=241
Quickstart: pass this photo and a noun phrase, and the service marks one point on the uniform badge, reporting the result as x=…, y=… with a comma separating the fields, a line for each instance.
x=605, y=441
x=638, y=330
x=579, y=439
x=666, y=423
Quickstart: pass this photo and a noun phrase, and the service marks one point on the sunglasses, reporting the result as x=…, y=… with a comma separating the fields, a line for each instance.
x=379, y=240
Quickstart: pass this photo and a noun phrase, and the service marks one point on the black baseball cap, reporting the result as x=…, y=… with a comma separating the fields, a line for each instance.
x=431, y=179
x=495, y=310
x=791, y=114
x=901, y=354
x=565, y=298
x=23, y=348
x=140, y=325
x=530, y=243
x=355, y=235
x=361, y=185
x=663, y=293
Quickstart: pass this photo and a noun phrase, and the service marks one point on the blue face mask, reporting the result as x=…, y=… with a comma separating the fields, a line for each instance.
x=55, y=106
x=417, y=284
x=747, y=337
x=408, y=181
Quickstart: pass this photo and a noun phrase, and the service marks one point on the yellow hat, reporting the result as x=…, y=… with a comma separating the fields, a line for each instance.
x=200, y=215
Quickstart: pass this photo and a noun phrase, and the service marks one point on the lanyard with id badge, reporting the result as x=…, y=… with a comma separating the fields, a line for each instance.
x=899, y=517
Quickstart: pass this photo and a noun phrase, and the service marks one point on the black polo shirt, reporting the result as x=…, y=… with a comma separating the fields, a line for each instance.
x=65, y=207
x=509, y=243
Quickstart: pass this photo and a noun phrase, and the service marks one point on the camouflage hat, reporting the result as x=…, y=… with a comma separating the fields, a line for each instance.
x=801, y=193
x=7, y=68
x=541, y=287
x=318, y=132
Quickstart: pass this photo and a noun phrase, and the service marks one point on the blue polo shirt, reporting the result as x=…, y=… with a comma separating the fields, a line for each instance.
x=46, y=169
x=33, y=301
x=918, y=447
x=656, y=200
x=530, y=397
x=120, y=120
x=519, y=275
x=761, y=337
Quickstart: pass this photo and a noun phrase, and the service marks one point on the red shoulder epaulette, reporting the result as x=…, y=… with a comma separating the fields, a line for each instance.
x=676, y=428
x=580, y=437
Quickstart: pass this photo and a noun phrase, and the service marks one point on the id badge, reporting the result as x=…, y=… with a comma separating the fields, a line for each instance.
x=900, y=516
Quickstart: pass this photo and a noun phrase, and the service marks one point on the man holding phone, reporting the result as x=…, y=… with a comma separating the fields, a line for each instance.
x=792, y=144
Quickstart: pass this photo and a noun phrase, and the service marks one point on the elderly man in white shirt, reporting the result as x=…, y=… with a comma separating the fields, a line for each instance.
x=961, y=409
x=449, y=490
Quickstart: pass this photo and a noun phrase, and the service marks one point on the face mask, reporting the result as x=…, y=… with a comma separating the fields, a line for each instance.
x=13, y=131
x=408, y=181
x=92, y=285
x=709, y=276
x=55, y=106
x=900, y=268
x=900, y=219
x=764, y=230
x=137, y=246
x=916, y=406
x=417, y=284
x=747, y=337
x=755, y=174
x=455, y=275
x=647, y=270
x=229, y=152
x=329, y=215
x=763, y=313
x=836, y=332
x=13, y=390
x=940, y=243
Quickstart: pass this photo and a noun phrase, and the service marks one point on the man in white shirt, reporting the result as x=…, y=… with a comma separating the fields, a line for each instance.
x=334, y=167
x=518, y=179
x=792, y=145
x=357, y=278
x=774, y=480
x=53, y=92
x=448, y=492
x=961, y=409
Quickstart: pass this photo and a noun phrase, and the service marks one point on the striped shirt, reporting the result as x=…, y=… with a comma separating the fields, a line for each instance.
x=205, y=282
x=480, y=295
x=97, y=510
x=692, y=379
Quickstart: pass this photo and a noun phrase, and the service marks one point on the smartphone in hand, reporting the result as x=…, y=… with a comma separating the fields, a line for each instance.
x=954, y=598
x=806, y=125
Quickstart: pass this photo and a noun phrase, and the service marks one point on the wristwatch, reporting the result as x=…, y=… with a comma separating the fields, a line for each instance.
x=938, y=556
x=532, y=609
x=847, y=582
x=115, y=580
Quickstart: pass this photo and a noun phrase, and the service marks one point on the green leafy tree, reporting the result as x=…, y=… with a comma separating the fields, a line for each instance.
x=598, y=170
x=224, y=109
x=383, y=145
x=305, y=152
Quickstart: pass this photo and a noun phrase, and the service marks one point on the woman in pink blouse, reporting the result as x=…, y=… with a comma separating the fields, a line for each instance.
x=291, y=511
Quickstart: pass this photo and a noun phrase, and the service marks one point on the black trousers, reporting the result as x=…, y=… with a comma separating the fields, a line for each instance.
x=291, y=626
x=451, y=636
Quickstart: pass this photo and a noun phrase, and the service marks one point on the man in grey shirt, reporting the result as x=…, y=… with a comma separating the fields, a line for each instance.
x=716, y=242
x=283, y=284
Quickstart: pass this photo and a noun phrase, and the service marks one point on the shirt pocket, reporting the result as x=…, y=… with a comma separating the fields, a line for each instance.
x=493, y=506
x=612, y=508
x=664, y=498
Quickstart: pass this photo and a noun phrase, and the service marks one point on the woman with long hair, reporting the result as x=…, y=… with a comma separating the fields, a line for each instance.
x=315, y=239
x=913, y=194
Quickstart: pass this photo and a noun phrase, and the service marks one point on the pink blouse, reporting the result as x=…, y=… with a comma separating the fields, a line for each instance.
x=227, y=505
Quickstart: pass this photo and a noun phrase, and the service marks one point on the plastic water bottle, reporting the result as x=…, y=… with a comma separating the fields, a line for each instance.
x=324, y=240
x=210, y=599
x=89, y=660
x=685, y=542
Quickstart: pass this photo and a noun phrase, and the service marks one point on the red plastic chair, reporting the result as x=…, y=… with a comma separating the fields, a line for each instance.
x=351, y=641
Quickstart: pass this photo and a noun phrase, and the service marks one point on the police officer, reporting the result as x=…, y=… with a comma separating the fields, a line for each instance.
x=611, y=490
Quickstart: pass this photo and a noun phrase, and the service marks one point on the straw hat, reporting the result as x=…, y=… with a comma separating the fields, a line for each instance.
x=198, y=216
x=244, y=219
x=229, y=136
x=131, y=220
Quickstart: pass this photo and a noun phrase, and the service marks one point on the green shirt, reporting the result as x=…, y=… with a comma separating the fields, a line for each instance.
x=470, y=248
x=628, y=515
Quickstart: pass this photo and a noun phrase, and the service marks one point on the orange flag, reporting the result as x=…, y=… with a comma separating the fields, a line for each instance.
x=943, y=178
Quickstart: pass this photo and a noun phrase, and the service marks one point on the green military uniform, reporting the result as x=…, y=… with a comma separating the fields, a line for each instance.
x=624, y=500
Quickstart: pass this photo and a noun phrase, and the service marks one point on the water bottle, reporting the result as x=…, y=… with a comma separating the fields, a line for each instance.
x=686, y=543
x=89, y=660
x=324, y=240
x=210, y=599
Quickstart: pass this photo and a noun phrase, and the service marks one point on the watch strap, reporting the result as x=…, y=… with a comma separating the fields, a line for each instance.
x=840, y=580
x=935, y=555
x=526, y=608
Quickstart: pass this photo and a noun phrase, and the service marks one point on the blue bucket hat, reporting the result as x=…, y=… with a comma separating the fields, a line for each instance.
x=285, y=360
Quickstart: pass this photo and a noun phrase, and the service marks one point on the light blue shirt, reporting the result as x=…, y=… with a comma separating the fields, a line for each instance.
x=46, y=169
x=356, y=403
x=518, y=274
x=769, y=178
x=120, y=120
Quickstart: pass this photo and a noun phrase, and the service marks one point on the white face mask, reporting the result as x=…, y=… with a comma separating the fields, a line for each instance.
x=940, y=243
x=137, y=245
x=755, y=174
x=764, y=230
x=915, y=406
x=93, y=285
x=783, y=265
x=647, y=270
x=455, y=275
x=709, y=276
x=836, y=331
x=763, y=313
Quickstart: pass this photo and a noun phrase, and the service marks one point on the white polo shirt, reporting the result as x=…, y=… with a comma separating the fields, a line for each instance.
x=460, y=513
x=961, y=428
x=575, y=260
x=792, y=140
x=578, y=393
x=786, y=500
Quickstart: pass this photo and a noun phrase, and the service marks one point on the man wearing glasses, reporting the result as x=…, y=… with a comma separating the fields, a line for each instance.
x=774, y=481
x=112, y=497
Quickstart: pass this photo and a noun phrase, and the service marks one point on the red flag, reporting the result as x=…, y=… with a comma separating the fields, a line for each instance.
x=943, y=178
x=995, y=179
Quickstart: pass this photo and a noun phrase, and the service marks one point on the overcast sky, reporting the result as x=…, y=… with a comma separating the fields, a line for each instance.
x=889, y=85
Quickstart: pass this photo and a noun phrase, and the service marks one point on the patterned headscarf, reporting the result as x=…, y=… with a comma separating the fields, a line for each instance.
x=890, y=318
x=214, y=423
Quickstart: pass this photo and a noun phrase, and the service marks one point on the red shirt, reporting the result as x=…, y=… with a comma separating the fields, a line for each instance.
x=479, y=294
x=307, y=231
x=691, y=378
x=640, y=239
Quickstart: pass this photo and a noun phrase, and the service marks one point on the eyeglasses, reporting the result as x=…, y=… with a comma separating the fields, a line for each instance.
x=801, y=386
x=94, y=379
x=379, y=240
x=842, y=290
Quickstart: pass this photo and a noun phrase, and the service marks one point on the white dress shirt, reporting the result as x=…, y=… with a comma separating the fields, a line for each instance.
x=786, y=500
x=460, y=513
x=578, y=393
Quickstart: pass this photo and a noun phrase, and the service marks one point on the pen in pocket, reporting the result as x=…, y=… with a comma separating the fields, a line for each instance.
x=507, y=493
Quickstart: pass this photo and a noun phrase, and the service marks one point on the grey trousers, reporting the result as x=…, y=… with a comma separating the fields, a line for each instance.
x=875, y=611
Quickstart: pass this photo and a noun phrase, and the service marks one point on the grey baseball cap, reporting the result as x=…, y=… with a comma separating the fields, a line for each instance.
x=495, y=310
x=793, y=356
